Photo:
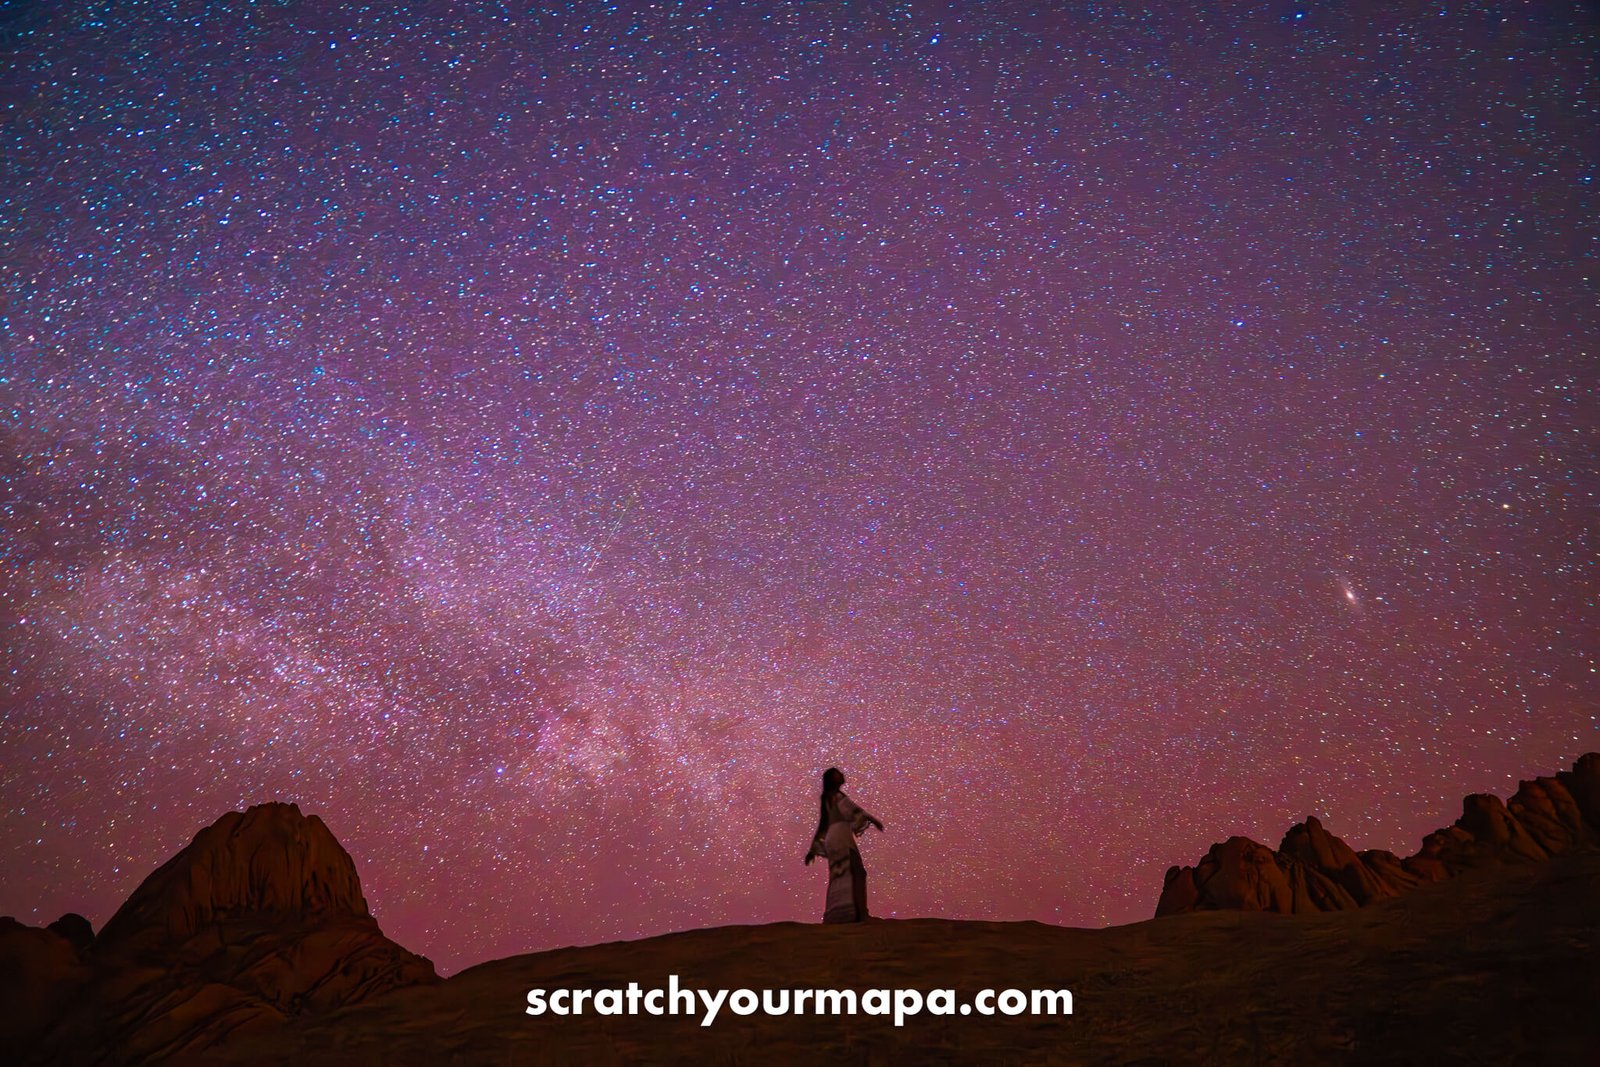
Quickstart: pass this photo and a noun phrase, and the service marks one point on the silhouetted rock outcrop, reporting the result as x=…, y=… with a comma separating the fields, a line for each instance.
x=75, y=929
x=40, y=971
x=1312, y=870
x=270, y=862
x=259, y=920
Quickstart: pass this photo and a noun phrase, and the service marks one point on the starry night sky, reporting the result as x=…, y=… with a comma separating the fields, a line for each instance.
x=541, y=441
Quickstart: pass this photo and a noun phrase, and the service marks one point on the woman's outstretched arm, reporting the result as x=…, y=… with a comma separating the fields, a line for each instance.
x=858, y=817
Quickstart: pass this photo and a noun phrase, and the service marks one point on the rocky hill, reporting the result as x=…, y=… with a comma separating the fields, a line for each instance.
x=1312, y=870
x=258, y=921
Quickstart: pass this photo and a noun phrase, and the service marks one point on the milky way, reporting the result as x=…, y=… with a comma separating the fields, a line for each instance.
x=540, y=442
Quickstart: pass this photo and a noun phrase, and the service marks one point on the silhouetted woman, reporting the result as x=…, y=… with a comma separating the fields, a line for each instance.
x=838, y=824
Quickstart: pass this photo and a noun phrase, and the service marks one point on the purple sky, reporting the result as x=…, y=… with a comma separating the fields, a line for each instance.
x=541, y=442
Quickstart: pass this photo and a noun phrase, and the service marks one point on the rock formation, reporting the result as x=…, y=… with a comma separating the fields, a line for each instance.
x=259, y=920
x=1312, y=870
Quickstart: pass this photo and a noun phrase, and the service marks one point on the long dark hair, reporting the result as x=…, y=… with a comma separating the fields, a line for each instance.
x=832, y=779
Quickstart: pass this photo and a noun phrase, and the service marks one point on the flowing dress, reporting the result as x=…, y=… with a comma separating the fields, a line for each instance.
x=847, y=876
